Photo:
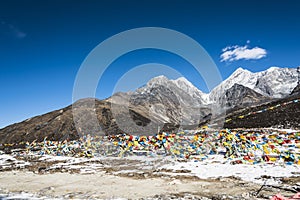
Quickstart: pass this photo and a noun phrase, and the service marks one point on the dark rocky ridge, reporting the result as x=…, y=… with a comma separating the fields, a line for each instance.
x=241, y=96
x=296, y=90
x=285, y=116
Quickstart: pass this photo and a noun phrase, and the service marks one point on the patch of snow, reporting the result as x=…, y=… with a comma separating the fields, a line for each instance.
x=22, y=196
x=8, y=161
x=4, y=158
x=56, y=158
x=251, y=173
x=284, y=130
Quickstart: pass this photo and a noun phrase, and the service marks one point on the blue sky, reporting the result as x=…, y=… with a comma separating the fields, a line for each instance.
x=43, y=43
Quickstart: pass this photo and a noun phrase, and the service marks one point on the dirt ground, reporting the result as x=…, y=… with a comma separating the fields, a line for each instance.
x=125, y=179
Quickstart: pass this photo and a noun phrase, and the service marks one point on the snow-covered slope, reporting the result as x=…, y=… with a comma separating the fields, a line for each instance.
x=275, y=82
x=184, y=90
x=240, y=76
x=189, y=88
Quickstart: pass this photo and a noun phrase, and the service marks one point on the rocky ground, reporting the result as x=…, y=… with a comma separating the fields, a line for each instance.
x=25, y=176
x=283, y=113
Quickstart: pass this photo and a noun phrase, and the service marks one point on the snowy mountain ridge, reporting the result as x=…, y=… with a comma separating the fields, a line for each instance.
x=274, y=82
x=182, y=88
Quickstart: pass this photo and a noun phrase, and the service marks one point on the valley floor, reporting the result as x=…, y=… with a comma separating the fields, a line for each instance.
x=141, y=177
x=227, y=164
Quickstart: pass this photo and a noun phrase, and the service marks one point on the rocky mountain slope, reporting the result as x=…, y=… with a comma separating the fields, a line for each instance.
x=166, y=104
x=282, y=113
x=61, y=124
x=240, y=96
x=161, y=104
x=172, y=100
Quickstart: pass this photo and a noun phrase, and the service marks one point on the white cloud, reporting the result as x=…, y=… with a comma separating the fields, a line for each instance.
x=16, y=31
x=12, y=30
x=234, y=53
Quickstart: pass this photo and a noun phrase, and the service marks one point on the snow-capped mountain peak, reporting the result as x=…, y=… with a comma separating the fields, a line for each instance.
x=186, y=85
x=241, y=76
x=274, y=82
x=240, y=70
x=239, y=73
x=273, y=68
x=183, y=81
x=158, y=80
x=181, y=87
